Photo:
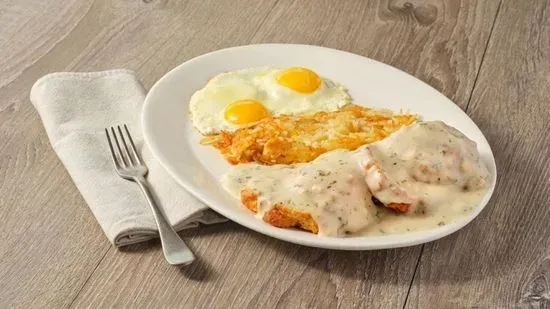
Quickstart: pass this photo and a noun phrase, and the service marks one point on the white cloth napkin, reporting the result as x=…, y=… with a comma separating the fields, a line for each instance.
x=75, y=108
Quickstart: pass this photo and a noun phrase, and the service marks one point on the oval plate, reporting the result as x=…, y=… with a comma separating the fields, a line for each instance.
x=169, y=133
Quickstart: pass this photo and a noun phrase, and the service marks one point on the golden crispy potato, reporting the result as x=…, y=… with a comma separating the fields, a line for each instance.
x=302, y=138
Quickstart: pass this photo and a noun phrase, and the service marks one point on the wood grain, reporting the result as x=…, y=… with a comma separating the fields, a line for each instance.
x=53, y=253
x=440, y=42
x=45, y=256
x=49, y=240
x=246, y=270
x=42, y=243
x=502, y=259
x=379, y=279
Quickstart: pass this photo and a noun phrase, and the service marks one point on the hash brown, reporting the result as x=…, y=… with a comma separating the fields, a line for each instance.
x=288, y=139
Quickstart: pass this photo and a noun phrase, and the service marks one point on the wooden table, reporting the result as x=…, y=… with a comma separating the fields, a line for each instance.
x=490, y=57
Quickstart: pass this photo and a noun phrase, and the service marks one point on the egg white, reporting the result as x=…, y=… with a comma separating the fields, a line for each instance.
x=207, y=104
x=329, y=97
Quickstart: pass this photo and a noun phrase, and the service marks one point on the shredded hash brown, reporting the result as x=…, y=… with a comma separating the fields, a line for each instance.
x=289, y=139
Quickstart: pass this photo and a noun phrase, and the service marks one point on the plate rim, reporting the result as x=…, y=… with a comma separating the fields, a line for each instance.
x=412, y=239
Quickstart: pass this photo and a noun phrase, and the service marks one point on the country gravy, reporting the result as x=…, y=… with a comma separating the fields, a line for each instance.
x=333, y=188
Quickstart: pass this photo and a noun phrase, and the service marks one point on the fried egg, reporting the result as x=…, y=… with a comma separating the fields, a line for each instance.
x=237, y=99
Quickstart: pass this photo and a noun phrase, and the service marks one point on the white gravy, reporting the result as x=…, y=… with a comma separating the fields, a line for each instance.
x=333, y=188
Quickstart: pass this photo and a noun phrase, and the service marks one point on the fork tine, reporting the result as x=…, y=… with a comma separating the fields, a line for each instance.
x=131, y=161
x=136, y=154
x=122, y=158
x=113, y=155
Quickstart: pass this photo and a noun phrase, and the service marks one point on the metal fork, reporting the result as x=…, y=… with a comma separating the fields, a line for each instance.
x=130, y=166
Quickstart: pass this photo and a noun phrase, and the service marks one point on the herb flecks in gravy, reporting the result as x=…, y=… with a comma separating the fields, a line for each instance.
x=429, y=166
x=330, y=188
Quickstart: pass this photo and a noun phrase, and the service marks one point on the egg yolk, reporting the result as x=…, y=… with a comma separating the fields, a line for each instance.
x=299, y=79
x=245, y=111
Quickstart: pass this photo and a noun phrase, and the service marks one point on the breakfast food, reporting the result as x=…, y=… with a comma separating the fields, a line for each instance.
x=304, y=157
x=302, y=138
x=408, y=168
x=423, y=176
x=237, y=99
x=327, y=196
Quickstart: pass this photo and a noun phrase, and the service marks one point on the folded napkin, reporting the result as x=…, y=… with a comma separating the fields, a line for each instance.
x=75, y=108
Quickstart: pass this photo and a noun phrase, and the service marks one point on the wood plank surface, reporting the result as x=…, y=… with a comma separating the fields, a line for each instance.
x=45, y=257
x=242, y=269
x=502, y=259
x=52, y=252
x=280, y=278
x=440, y=42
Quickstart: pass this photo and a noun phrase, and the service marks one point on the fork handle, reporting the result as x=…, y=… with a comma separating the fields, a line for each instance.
x=175, y=250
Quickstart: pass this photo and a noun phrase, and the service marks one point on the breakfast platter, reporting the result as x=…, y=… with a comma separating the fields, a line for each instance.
x=319, y=147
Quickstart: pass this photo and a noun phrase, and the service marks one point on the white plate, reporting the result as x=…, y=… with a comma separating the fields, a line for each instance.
x=169, y=133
